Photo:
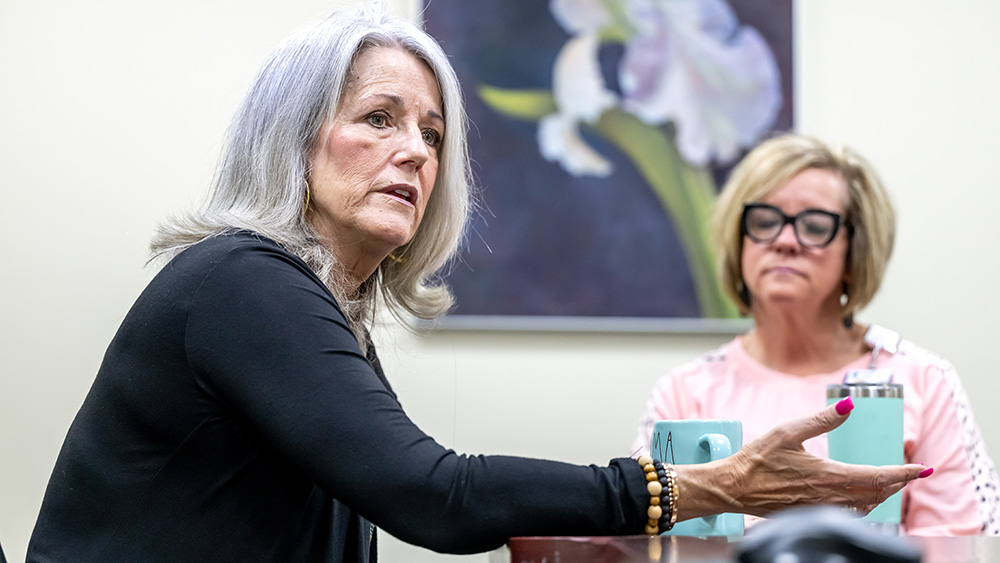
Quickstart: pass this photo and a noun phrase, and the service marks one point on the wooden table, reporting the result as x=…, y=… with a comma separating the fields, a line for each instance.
x=676, y=549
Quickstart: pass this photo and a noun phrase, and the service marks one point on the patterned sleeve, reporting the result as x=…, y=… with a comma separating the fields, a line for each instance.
x=984, y=474
x=963, y=496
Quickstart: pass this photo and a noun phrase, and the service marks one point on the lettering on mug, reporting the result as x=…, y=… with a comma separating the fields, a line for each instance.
x=665, y=451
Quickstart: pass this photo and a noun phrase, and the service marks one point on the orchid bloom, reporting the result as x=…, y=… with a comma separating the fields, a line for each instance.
x=580, y=95
x=686, y=61
x=692, y=64
x=579, y=90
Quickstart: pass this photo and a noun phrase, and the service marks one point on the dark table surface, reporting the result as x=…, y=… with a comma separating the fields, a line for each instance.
x=636, y=549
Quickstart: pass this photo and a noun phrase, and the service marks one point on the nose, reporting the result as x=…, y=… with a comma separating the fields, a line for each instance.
x=413, y=151
x=786, y=237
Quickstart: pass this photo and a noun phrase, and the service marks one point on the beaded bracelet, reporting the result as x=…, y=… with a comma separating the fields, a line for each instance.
x=661, y=482
x=673, y=494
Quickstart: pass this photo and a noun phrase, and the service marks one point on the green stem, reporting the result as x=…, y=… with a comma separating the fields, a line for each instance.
x=687, y=194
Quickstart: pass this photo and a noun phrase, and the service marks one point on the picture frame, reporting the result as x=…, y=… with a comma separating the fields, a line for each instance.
x=593, y=150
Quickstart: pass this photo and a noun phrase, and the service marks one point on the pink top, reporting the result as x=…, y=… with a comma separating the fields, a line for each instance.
x=962, y=497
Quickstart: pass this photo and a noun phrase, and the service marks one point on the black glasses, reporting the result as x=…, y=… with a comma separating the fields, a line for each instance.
x=814, y=228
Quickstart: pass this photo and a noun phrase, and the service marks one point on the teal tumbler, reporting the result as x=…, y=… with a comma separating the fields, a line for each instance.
x=872, y=435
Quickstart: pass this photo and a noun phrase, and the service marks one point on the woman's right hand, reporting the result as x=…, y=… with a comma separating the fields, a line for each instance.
x=775, y=472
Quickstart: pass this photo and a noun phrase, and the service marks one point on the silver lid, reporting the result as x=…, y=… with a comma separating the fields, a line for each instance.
x=881, y=390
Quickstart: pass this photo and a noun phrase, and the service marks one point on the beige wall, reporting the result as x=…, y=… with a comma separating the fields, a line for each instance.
x=111, y=113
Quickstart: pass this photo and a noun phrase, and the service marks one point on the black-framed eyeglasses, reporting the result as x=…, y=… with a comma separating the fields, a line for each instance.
x=814, y=228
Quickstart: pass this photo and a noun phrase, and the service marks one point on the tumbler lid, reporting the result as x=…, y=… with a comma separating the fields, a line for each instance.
x=880, y=390
x=867, y=377
x=865, y=383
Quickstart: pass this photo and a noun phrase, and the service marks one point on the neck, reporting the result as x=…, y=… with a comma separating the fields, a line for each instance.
x=354, y=267
x=356, y=258
x=802, y=346
x=356, y=272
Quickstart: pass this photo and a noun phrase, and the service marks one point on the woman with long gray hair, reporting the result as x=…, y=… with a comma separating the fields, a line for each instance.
x=241, y=413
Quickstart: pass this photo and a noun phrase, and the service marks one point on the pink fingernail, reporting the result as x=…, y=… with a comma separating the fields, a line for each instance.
x=845, y=406
x=926, y=473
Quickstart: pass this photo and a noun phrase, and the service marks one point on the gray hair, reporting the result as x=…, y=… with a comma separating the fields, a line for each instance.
x=260, y=182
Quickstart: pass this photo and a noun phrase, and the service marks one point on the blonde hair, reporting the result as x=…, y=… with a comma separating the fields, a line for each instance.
x=771, y=165
x=260, y=183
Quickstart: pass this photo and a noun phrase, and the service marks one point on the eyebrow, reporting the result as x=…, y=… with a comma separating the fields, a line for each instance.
x=398, y=100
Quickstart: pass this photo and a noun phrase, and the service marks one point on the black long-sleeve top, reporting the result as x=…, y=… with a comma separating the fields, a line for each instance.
x=235, y=418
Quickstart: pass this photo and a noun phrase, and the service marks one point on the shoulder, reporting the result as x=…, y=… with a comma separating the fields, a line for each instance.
x=922, y=358
x=241, y=272
x=714, y=358
x=246, y=284
x=925, y=372
x=219, y=246
x=708, y=364
x=901, y=348
x=904, y=353
x=245, y=255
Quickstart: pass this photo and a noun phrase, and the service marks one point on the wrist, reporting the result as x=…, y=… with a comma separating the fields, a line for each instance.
x=707, y=489
x=661, y=484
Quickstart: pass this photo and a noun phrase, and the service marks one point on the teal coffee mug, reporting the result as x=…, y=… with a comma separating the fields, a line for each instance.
x=684, y=442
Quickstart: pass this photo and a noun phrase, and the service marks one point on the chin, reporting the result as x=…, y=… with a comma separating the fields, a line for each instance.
x=395, y=233
x=396, y=239
x=781, y=299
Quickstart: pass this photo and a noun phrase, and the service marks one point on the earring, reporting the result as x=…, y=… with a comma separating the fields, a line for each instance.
x=844, y=299
x=305, y=207
x=743, y=292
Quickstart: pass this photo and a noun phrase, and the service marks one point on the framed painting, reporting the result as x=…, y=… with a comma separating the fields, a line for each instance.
x=600, y=133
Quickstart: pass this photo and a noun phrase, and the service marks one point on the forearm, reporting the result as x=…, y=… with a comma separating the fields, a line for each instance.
x=476, y=503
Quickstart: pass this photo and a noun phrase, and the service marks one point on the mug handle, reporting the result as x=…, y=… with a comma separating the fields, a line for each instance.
x=717, y=445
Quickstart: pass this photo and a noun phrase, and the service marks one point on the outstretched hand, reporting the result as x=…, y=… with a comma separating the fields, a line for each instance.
x=775, y=472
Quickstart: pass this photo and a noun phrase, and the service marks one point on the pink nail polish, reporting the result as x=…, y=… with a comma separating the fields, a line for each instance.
x=926, y=473
x=845, y=406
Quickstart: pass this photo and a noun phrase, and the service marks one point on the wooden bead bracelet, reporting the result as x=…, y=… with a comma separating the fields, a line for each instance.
x=661, y=482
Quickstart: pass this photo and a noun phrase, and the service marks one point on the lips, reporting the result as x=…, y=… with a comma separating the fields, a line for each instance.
x=404, y=192
x=783, y=270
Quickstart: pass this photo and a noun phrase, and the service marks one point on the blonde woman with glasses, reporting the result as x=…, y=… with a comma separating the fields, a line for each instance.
x=804, y=232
